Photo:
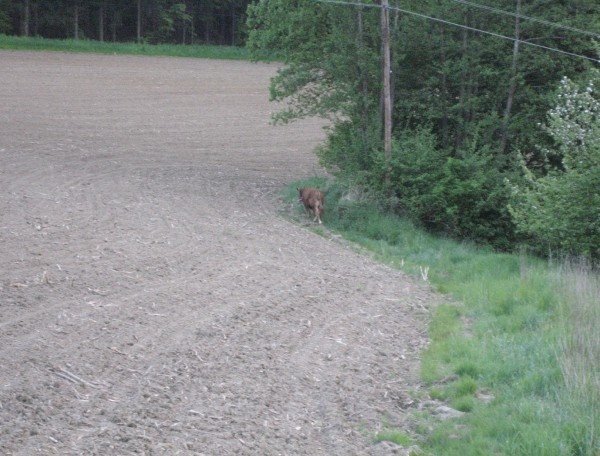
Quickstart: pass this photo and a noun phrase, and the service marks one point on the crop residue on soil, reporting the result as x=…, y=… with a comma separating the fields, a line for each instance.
x=151, y=299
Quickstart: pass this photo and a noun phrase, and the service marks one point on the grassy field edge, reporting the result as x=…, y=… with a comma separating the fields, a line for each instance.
x=515, y=348
x=104, y=47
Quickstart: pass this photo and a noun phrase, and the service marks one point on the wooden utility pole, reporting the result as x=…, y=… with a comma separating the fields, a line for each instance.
x=25, y=18
x=101, y=22
x=512, y=87
x=387, y=96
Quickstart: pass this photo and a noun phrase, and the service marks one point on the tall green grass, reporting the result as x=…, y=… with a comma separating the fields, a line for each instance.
x=579, y=354
x=517, y=346
x=105, y=47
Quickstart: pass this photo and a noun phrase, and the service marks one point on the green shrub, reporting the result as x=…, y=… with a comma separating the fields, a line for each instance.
x=561, y=211
x=348, y=151
x=474, y=202
x=463, y=197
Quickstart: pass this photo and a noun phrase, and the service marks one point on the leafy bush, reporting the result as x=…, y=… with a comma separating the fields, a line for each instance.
x=561, y=211
x=350, y=152
x=464, y=197
x=474, y=201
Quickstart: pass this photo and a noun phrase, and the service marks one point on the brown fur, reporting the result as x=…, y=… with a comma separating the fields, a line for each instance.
x=313, y=201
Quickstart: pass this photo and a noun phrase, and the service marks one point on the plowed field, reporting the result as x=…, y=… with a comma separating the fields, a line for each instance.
x=153, y=300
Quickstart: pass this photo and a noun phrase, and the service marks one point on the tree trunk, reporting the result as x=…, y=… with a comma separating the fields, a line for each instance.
x=25, y=18
x=76, y=22
x=512, y=87
x=36, y=19
x=394, y=33
x=462, y=97
x=184, y=25
x=101, y=22
x=207, y=25
x=387, y=101
x=223, y=23
x=233, y=25
x=364, y=82
x=192, y=29
x=444, y=83
x=139, y=21
x=113, y=25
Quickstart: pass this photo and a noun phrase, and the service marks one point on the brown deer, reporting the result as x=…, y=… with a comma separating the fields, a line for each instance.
x=313, y=201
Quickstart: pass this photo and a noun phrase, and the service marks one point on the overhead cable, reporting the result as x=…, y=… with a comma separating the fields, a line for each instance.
x=454, y=24
x=529, y=18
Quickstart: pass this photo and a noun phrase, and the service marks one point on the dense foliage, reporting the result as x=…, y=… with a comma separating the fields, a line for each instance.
x=154, y=21
x=561, y=210
x=469, y=108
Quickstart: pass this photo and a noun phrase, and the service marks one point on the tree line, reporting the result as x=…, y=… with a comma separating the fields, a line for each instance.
x=495, y=135
x=153, y=21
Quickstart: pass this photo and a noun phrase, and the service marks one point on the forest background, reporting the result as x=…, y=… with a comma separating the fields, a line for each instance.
x=152, y=21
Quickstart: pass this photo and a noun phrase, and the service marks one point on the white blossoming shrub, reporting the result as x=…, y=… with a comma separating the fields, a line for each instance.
x=560, y=212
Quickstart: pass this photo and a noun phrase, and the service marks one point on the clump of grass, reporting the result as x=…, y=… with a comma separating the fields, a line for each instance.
x=464, y=403
x=467, y=368
x=394, y=436
x=465, y=386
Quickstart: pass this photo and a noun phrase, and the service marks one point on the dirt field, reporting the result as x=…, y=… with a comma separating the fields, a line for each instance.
x=152, y=298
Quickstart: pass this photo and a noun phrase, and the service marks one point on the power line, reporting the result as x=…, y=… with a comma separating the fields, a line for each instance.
x=497, y=35
x=529, y=18
x=485, y=32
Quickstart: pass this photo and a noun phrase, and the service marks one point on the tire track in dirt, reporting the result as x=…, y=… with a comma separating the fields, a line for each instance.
x=151, y=299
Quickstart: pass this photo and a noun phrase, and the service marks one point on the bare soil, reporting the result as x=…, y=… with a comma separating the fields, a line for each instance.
x=154, y=300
